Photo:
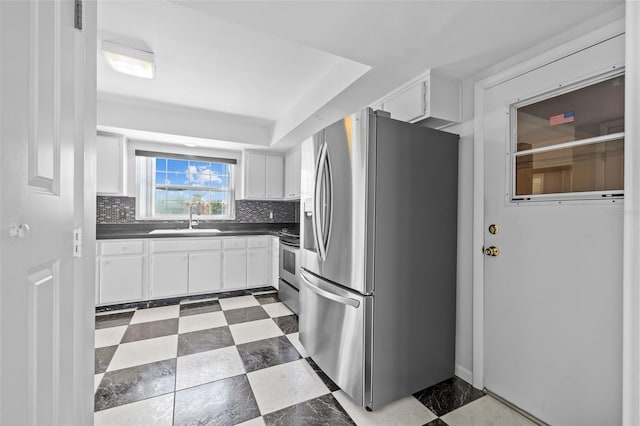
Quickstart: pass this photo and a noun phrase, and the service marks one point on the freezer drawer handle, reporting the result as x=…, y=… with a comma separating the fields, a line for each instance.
x=328, y=295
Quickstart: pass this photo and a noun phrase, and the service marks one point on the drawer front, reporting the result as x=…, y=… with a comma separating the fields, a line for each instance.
x=257, y=242
x=110, y=248
x=235, y=243
x=182, y=245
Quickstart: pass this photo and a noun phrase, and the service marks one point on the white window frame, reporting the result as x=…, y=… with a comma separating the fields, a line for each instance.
x=513, y=154
x=145, y=191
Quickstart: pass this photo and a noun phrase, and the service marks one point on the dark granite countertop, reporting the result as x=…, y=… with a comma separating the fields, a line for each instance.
x=142, y=230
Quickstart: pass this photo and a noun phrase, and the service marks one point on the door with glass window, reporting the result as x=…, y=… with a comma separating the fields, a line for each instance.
x=553, y=237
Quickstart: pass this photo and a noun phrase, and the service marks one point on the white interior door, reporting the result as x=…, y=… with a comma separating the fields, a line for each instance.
x=553, y=295
x=37, y=130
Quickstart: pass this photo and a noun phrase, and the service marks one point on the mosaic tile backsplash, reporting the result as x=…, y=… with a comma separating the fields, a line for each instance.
x=118, y=210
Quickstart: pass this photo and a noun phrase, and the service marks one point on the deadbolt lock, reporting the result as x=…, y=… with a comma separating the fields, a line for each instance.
x=492, y=251
x=494, y=229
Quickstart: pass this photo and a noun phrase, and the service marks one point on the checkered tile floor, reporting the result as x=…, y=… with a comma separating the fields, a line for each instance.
x=238, y=360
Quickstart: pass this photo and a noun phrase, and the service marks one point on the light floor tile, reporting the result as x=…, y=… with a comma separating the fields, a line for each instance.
x=277, y=309
x=201, y=322
x=283, y=385
x=144, y=352
x=406, y=411
x=485, y=411
x=156, y=411
x=238, y=302
x=253, y=422
x=205, y=367
x=255, y=330
x=109, y=336
x=97, y=378
x=155, y=314
x=295, y=341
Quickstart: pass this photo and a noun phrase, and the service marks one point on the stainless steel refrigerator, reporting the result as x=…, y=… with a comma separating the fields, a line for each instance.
x=378, y=255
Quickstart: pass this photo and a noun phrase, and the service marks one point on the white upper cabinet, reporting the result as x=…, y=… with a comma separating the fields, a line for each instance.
x=264, y=176
x=433, y=100
x=292, y=167
x=274, y=176
x=110, y=164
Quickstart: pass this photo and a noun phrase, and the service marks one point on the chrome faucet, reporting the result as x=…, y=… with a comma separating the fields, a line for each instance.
x=193, y=222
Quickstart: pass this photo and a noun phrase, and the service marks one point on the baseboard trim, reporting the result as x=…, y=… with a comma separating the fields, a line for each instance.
x=464, y=374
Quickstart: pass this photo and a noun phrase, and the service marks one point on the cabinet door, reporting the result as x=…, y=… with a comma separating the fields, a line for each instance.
x=258, y=267
x=255, y=185
x=274, y=176
x=110, y=164
x=169, y=275
x=205, y=272
x=408, y=105
x=234, y=269
x=121, y=278
x=295, y=159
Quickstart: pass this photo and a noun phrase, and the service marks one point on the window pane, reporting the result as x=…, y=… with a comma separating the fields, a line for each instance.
x=177, y=165
x=161, y=164
x=596, y=167
x=177, y=179
x=591, y=111
x=161, y=178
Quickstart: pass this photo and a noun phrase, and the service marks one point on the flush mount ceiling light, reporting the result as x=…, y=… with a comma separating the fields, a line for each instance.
x=129, y=60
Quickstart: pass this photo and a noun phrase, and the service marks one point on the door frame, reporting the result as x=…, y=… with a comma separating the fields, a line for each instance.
x=631, y=292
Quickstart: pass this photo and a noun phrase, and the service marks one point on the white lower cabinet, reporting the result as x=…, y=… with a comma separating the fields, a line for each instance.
x=169, y=275
x=234, y=266
x=121, y=278
x=180, y=266
x=205, y=272
x=258, y=268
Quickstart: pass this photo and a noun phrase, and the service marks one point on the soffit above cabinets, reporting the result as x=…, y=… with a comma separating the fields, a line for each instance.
x=284, y=70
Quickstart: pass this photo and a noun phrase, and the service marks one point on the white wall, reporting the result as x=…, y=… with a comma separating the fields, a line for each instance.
x=464, y=296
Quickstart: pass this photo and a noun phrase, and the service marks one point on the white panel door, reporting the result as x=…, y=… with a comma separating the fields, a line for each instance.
x=553, y=295
x=205, y=272
x=234, y=266
x=38, y=127
x=169, y=275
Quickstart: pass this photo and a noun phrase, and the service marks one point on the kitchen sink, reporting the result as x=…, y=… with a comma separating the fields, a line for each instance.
x=184, y=231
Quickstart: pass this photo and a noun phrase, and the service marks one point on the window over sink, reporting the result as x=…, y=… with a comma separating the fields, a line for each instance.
x=169, y=185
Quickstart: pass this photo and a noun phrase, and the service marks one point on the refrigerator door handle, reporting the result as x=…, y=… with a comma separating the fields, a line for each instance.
x=317, y=220
x=327, y=294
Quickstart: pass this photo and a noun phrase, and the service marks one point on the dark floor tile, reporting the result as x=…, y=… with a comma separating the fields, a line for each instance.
x=320, y=411
x=113, y=320
x=327, y=381
x=204, y=340
x=288, y=323
x=267, y=353
x=448, y=395
x=103, y=358
x=149, y=330
x=236, y=316
x=199, y=308
x=437, y=422
x=265, y=299
x=223, y=402
x=135, y=383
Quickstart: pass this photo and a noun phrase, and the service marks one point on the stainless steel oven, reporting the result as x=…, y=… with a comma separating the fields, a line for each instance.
x=288, y=270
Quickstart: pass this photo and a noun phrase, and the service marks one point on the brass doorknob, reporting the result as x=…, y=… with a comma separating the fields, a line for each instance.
x=492, y=251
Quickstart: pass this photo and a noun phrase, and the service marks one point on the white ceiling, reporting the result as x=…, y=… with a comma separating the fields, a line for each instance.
x=299, y=65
